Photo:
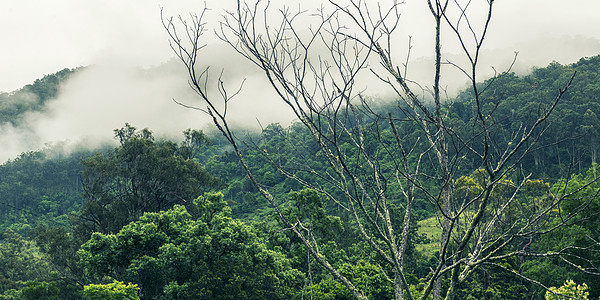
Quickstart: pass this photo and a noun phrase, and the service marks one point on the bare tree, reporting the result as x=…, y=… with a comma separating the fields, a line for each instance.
x=314, y=71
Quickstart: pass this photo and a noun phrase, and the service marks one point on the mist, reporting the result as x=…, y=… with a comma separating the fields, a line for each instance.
x=104, y=96
x=134, y=81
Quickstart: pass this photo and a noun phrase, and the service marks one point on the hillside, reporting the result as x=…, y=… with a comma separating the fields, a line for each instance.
x=32, y=97
x=184, y=221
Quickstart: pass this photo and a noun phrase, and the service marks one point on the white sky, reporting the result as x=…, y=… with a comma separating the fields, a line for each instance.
x=118, y=37
x=40, y=36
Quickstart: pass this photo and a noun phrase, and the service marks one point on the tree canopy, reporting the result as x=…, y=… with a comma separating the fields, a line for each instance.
x=489, y=195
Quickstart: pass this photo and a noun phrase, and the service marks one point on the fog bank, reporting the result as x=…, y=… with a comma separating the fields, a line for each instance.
x=104, y=96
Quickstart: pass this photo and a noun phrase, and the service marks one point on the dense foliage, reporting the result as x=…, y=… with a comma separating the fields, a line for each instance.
x=182, y=221
x=32, y=97
x=173, y=255
x=142, y=175
x=41, y=187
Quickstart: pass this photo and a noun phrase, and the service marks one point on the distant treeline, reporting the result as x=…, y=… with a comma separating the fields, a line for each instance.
x=182, y=220
x=32, y=97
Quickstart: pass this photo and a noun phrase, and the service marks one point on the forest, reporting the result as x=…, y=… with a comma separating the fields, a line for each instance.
x=161, y=219
x=489, y=194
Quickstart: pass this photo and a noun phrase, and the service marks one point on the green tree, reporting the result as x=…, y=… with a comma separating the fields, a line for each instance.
x=569, y=241
x=40, y=290
x=141, y=175
x=569, y=290
x=21, y=261
x=32, y=97
x=591, y=127
x=39, y=188
x=171, y=254
x=33, y=290
x=112, y=291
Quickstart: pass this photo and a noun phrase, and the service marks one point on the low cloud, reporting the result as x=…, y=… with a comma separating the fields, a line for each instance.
x=102, y=97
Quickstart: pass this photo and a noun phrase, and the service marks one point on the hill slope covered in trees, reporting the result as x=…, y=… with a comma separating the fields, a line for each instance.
x=182, y=221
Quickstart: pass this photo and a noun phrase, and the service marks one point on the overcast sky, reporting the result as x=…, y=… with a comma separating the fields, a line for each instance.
x=40, y=36
x=131, y=80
